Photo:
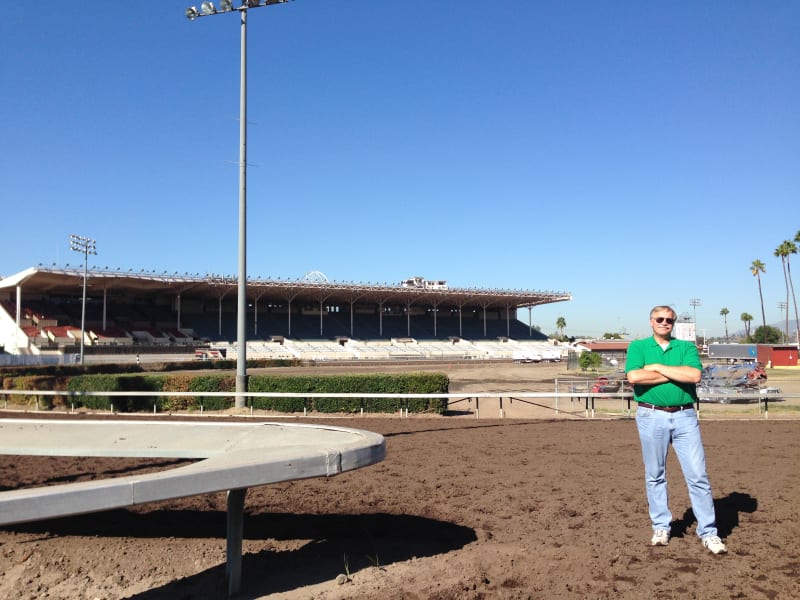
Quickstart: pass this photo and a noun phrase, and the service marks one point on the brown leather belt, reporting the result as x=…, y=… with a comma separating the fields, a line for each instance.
x=669, y=409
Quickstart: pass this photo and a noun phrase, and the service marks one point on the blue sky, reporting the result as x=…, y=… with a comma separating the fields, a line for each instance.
x=631, y=153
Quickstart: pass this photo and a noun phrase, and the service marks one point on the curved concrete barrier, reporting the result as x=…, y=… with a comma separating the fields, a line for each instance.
x=233, y=457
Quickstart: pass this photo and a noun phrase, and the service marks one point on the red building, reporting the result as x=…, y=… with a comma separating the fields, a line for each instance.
x=781, y=355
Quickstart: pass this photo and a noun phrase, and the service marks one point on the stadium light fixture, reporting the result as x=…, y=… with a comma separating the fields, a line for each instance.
x=782, y=306
x=208, y=9
x=85, y=246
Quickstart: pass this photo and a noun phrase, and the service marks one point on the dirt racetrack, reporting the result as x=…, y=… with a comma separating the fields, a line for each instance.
x=546, y=507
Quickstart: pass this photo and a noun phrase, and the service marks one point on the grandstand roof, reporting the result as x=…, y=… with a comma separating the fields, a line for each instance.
x=68, y=281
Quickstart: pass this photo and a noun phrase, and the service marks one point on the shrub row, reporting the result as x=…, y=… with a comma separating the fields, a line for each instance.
x=33, y=383
x=411, y=383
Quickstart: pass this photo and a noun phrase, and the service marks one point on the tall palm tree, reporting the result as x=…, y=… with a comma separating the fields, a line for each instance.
x=561, y=324
x=746, y=317
x=793, y=250
x=783, y=251
x=757, y=268
x=725, y=312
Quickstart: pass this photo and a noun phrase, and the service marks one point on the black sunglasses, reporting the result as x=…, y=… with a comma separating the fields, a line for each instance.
x=669, y=320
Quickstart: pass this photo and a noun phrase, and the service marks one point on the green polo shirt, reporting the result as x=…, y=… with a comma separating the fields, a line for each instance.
x=679, y=353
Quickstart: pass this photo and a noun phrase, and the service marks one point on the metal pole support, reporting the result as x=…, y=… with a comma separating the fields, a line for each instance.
x=233, y=565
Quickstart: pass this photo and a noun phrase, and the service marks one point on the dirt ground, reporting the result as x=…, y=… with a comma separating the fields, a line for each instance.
x=545, y=505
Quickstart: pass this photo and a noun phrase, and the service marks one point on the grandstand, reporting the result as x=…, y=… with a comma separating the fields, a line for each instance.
x=144, y=313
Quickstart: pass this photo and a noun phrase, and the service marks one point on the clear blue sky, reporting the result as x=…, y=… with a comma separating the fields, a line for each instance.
x=631, y=153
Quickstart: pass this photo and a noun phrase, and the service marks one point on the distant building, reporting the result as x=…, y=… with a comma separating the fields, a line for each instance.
x=613, y=352
x=784, y=355
x=685, y=329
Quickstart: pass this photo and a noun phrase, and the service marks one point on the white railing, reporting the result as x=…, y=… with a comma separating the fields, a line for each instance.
x=570, y=404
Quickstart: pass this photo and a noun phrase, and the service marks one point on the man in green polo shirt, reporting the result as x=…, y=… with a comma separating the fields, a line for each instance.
x=664, y=372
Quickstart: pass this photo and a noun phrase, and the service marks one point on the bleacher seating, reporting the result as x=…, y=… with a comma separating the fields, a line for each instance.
x=370, y=350
x=111, y=336
x=270, y=350
x=151, y=335
x=153, y=327
x=63, y=334
x=320, y=350
x=494, y=350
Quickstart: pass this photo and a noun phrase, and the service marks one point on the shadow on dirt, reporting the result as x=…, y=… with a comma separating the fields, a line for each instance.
x=331, y=545
x=727, y=510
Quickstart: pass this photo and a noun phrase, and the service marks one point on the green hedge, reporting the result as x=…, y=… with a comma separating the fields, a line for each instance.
x=411, y=383
x=94, y=383
x=213, y=383
x=116, y=383
x=33, y=383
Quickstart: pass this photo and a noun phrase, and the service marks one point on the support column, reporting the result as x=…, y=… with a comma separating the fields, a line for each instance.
x=233, y=565
x=18, y=318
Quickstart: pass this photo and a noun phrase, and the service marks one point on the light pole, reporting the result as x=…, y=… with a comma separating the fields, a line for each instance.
x=782, y=306
x=694, y=303
x=208, y=9
x=85, y=246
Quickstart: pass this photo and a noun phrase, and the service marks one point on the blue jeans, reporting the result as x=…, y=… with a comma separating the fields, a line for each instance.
x=657, y=430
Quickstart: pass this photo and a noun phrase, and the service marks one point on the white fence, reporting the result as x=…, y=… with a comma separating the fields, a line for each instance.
x=578, y=404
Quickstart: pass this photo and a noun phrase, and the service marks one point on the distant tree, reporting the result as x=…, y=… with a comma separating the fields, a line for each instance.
x=589, y=360
x=756, y=268
x=767, y=334
x=612, y=336
x=725, y=312
x=561, y=324
x=783, y=251
x=746, y=318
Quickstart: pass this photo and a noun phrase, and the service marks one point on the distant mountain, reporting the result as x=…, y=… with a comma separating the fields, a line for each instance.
x=781, y=326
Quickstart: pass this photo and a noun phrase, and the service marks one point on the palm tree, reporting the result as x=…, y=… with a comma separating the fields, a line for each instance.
x=793, y=250
x=756, y=268
x=746, y=317
x=725, y=312
x=561, y=324
x=784, y=250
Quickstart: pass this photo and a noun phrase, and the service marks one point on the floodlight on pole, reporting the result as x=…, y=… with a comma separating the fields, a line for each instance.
x=694, y=303
x=208, y=9
x=782, y=306
x=85, y=246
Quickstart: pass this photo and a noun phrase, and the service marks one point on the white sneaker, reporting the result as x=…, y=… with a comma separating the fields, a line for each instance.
x=714, y=544
x=660, y=537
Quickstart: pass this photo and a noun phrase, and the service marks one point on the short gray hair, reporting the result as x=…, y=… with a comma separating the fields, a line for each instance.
x=656, y=309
